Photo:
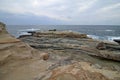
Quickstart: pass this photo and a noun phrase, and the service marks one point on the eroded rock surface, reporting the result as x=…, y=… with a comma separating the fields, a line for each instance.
x=59, y=56
x=72, y=41
x=76, y=71
x=18, y=61
x=64, y=50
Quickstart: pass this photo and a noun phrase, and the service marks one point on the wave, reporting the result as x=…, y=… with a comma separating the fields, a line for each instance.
x=108, y=38
x=32, y=29
x=26, y=32
x=111, y=38
x=108, y=30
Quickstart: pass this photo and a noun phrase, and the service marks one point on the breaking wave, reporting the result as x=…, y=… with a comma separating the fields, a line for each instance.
x=26, y=32
x=108, y=30
x=109, y=38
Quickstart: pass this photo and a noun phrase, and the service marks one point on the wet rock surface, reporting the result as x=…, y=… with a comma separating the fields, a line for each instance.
x=57, y=55
x=117, y=40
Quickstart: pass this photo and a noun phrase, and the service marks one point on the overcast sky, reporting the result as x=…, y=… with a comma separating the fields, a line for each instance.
x=72, y=12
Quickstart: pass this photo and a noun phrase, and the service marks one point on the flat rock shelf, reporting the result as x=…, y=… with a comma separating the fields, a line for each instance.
x=57, y=55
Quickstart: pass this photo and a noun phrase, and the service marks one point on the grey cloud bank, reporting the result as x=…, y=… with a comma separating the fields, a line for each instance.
x=79, y=12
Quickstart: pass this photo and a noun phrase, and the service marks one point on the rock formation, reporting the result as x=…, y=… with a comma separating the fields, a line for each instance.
x=4, y=36
x=117, y=40
x=59, y=34
x=18, y=61
x=45, y=56
x=66, y=47
x=101, y=46
x=57, y=56
x=2, y=28
x=75, y=71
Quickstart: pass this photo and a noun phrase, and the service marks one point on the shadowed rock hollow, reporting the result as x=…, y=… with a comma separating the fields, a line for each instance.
x=54, y=57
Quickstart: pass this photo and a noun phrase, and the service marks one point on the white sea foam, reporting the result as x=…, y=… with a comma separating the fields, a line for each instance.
x=93, y=36
x=111, y=38
x=108, y=38
x=108, y=30
x=25, y=32
x=32, y=29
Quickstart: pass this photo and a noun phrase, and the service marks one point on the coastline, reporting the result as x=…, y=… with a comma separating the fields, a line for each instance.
x=100, y=32
x=50, y=54
x=60, y=36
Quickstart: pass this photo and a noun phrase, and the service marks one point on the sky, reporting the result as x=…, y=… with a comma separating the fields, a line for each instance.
x=60, y=12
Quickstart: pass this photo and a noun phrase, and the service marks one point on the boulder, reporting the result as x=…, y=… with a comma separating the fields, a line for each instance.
x=45, y=56
x=117, y=40
x=101, y=46
x=52, y=30
x=22, y=36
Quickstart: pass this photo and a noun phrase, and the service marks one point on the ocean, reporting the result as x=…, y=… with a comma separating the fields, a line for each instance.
x=99, y=32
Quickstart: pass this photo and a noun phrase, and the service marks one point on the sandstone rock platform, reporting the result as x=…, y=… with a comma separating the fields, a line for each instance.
x=55, y=55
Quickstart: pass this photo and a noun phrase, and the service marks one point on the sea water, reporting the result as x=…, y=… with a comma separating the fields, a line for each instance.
x=100, y=32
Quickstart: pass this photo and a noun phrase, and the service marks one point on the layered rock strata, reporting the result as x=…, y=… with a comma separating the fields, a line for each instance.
x=70, y=56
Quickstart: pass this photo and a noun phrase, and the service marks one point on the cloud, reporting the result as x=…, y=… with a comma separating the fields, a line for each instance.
x=111, y=11
x=109, y=8
x=69, y=11
x=86, y=5
x=57, y=9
